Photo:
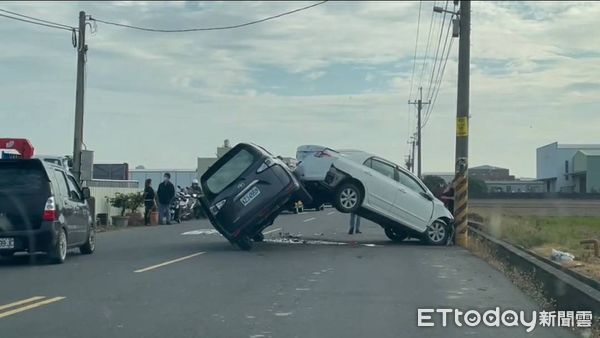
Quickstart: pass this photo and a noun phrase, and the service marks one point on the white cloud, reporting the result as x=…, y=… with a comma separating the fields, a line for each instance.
x=530, y=79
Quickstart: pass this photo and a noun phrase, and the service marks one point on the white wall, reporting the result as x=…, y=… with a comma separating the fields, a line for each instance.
x=102, y=205
x=178, y=177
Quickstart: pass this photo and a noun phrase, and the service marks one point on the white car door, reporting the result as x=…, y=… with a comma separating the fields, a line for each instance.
x=412, y=204
x=380, y=185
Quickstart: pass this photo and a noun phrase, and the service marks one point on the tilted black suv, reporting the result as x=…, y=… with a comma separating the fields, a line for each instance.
x=43, y=209
x=245, y=190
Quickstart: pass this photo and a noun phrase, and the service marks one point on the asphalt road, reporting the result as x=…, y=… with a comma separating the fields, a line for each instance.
x=187, y=281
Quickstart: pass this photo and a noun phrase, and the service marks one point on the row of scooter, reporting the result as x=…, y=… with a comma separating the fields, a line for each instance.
x=186, y=205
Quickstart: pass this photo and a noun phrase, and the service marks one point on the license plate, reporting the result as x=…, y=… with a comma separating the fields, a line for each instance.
x=250, y=196
x=7, y=243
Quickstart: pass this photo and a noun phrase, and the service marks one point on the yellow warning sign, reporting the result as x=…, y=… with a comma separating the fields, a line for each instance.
x=462, y=126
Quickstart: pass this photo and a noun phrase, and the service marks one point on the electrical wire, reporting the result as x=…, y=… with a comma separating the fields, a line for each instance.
x=437, y=91
x=437, y=50
x=440, y=75
x=206, y=28
x=427, y=47
x=412, y=76
x=38, y=23
x=36, y=19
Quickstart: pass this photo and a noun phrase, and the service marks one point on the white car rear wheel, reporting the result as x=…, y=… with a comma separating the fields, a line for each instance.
x=348, y=198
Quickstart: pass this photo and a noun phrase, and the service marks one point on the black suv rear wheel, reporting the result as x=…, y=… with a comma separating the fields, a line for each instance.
x=244, y=243
x=58, y=253
x=395, y=234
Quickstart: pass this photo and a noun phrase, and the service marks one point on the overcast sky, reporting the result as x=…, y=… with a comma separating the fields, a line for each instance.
x=338, y=75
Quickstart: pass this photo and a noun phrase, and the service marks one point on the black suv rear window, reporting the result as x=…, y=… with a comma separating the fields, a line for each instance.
x=230, y=171
x=22, y=176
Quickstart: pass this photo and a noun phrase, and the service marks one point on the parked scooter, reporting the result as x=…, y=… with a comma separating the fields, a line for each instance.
x=185, y=204
x=174, y=209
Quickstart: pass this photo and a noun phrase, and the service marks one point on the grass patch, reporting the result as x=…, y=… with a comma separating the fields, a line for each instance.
x=561, y=233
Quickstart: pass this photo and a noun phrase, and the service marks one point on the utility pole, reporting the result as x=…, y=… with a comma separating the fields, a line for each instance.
x=410, y=163
x=78, y=137
x=461, y=191
x=419, y=104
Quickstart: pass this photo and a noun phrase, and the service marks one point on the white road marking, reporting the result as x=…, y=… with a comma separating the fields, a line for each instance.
x=302, y=289
x=169, y=262
x=30, y=306
x=309, y=219
x=283, y=314
x=331, y=213
x=271, y=231
x=28, y=300
x=202, y=232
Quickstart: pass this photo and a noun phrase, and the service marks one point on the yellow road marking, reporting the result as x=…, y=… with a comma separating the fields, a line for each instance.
x=28, y=300
x=169, y=262
x=271, y=231
x=30, y=306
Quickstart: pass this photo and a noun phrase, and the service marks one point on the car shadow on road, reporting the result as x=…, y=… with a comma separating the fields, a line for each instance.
x=26, y=259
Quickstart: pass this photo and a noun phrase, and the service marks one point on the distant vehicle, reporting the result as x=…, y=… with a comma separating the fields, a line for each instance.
x=61, y=161
x=43, y=209
x=376, y=189
x=245, y=190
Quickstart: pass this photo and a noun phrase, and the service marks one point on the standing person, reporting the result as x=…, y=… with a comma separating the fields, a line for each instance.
x=195, y=188
x=166, y=193
x=354, y=224
x=448, y=196
x=149, y=200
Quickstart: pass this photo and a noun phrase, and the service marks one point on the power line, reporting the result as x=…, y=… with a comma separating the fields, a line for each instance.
x=437, y=50
x=36, y=19
x=207, y=28
x=412, y=76
x=427, y=47
x=437, y=91
x=440, y=74
x=415, y=55
x=39, y=23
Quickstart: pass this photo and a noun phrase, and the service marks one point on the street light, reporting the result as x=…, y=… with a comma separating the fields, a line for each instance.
x=439, y=9
x=455, y=22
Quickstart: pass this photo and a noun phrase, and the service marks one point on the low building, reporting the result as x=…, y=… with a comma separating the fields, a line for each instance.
x=515, y=186
x=555, y=167
x=490, y=173
x=586, y=171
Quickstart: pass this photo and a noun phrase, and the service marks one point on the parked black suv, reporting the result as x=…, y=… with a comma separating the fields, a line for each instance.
x=42, y=208
x=245, y=190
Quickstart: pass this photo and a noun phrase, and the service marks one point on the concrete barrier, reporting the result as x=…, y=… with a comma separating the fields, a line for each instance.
x=567, y=292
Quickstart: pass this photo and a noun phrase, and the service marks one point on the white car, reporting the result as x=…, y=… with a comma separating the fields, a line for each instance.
x=61, y=161
x=376, y=189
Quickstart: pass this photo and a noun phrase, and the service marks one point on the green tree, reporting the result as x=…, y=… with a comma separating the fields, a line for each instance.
x=434, y=183
x=477, y=186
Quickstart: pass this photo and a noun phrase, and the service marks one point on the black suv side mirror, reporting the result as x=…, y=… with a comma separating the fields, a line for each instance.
x=86, y=193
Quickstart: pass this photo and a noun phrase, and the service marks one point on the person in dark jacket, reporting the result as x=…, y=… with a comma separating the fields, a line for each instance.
x=165, y=193
x=149, y=200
